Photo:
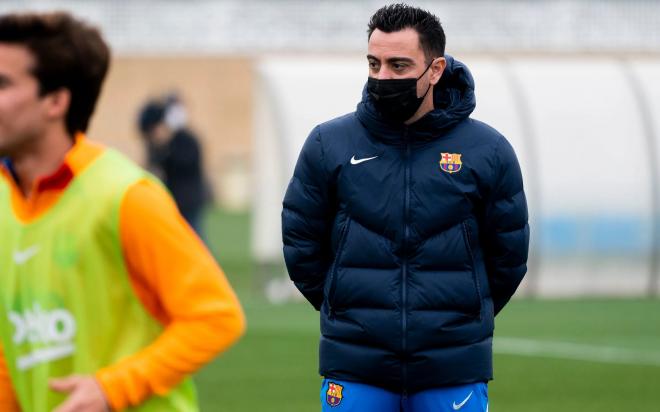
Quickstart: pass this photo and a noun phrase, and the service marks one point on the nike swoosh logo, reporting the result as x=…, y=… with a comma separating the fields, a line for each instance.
x=22, y=256
x=355, y=161
x=460, y=405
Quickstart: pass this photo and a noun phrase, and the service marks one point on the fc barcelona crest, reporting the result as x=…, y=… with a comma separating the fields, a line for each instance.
x=450, y=162
x=333, y=396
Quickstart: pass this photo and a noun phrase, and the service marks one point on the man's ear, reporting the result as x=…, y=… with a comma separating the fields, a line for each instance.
x=57, y=103
x=437, y=68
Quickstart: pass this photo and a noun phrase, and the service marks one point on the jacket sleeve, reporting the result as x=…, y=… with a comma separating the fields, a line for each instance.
x=8, y=401
x=306, y=220
x=506, y=237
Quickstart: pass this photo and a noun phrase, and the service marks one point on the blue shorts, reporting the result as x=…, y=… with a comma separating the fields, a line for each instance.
x=339, y=396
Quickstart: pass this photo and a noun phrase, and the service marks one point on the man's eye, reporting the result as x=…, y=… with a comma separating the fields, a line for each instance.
x=373, y=65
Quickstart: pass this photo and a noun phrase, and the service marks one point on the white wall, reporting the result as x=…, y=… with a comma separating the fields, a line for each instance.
x=257, y=26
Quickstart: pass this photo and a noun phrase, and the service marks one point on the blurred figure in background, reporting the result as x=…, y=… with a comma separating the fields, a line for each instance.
x=108, y=299
x=174, y=155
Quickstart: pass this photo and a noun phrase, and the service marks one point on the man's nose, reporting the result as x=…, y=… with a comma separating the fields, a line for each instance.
x=384, y=74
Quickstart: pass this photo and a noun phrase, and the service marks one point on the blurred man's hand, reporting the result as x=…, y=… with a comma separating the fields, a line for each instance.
x=85, y=394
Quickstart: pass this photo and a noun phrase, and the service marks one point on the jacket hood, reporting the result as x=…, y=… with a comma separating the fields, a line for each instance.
x=453, y=101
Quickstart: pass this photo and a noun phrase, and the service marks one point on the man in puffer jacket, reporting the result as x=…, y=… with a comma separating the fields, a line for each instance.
x=405, y=225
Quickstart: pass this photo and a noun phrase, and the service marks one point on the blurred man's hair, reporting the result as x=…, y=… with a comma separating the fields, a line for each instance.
x=150, y=116
x=68, y=53
x=397, y=17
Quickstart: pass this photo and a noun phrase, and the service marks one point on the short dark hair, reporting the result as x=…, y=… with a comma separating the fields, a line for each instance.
x=396, y=17
x=150, y=116
x=68, y=54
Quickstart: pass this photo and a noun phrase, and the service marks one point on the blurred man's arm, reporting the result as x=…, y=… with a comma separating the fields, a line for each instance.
x=306, y=220
x=181, y=285
x=506, y=229
x=8, y=401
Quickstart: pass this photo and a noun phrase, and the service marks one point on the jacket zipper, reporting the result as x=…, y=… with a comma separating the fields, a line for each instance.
x=404, y=272
x=333, y=269
x=475, y=279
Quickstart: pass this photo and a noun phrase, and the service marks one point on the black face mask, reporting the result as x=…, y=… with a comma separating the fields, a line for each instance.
x=396, y=99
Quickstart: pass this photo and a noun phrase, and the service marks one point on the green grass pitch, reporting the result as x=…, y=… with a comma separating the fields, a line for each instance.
x=595, y=355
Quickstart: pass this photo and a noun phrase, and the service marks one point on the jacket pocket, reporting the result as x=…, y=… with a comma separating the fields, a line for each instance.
x=467, y=237
x=333, y=268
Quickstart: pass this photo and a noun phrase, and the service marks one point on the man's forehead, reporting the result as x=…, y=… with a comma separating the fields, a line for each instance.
x=403, y=43
x=17, y=55
x=16, y=63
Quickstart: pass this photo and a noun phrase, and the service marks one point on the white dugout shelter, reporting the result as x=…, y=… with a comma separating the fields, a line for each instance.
x=586, y=131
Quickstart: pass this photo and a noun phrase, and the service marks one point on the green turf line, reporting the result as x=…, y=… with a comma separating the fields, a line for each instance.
x=574, y=351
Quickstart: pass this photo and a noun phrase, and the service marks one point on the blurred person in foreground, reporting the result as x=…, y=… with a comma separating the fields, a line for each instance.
x=108, y=298
x=174, y=154
x=405, y=224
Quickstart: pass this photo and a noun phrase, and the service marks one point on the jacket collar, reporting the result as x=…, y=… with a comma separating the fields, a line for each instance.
x=453, y=100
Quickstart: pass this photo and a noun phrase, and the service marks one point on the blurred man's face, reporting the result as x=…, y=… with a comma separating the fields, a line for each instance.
x=22, y=110
x=397, y=55
x=160, y=134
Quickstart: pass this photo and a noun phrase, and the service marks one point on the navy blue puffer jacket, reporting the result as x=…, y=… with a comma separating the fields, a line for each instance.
x=408, y=239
